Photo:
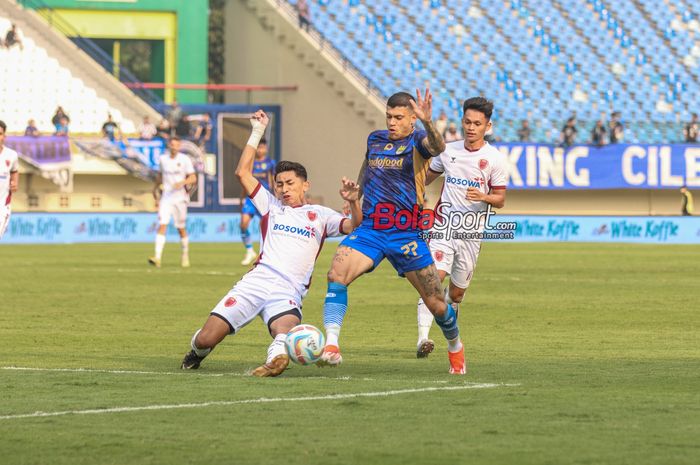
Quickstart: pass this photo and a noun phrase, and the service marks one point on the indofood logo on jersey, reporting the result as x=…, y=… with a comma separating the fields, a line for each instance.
x=390, y=163
x=477, y=182
x=306, y=231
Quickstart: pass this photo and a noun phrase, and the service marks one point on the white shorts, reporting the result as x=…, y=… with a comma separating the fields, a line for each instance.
x=457, y=258
x=4, y=219
x=177, y=210
x=261, y=292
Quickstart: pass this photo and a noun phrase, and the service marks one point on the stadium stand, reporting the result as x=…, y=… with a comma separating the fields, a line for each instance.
x=590, y=58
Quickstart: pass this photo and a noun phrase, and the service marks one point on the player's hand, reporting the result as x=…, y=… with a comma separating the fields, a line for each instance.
x=423, y=106
x=350, y=191
x=259, y=119
x=475, y=195
x=13, y=187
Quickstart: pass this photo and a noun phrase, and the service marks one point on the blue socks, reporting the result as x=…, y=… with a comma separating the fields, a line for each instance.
x=448, y=323
x=334, y=309
x=247, y=239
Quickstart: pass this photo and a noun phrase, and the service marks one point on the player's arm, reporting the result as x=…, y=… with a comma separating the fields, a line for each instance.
x=423, y=108
x=350, y=192
x=244, y=170
x=158, y=185
x=188, y=181
x=14, y=181
x=432, y=176
x=496, y=197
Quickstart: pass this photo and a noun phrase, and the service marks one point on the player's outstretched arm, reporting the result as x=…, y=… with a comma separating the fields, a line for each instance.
x=244, y=170
x=350, y=192
x=496, y=197
x=423, y=108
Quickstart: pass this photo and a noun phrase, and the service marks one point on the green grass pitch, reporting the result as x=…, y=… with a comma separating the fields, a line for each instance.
x=593, y=350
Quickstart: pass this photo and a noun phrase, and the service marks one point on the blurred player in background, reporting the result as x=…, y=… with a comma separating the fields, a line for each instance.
x=393, y=177
x=263, y=169
x=467, y=164
x=293, y=235
x=175, y=174
x=9, y=179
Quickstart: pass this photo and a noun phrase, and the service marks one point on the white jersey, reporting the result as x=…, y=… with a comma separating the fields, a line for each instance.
x=174, y=170
x=484, y=169
x=8, y=165
x=292, y=237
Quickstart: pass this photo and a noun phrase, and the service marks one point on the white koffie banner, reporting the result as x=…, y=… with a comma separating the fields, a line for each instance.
x=60, y=228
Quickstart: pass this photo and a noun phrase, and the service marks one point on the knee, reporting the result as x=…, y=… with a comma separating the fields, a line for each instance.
x=336, y=277
x=457, y=295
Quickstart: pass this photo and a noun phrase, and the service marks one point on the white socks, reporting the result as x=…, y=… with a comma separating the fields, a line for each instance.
x=197, y=350
x=160, y=243
x=332, y=334
x=185, y=241
x=277, y=347
x=425, y=321
x=454, y=345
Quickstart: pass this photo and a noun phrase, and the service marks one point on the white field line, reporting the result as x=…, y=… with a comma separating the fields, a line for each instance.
x=261, y=400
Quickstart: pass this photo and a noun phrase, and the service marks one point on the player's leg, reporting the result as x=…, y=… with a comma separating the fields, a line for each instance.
x=427, y=283
x=357, y=254
x=4, y=220
x=164, y=215
x=443, y=256
x=180, y=221
x=204, y=340
x=280, y=319
x=247, y=212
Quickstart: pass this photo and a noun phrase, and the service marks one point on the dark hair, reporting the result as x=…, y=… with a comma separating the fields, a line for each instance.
x=400, y=99
x=3, y=125
x=262, y=141
x=285, y=166
x=479, y=104
x=174, y=138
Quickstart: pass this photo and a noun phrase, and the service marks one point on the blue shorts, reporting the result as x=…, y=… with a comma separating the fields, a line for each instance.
x=405, y=250
x=249, y=209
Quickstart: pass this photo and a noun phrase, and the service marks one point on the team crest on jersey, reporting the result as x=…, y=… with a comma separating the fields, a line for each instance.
x=483, y=163
x=388, y=146
x=7, y=163
x=311, y=215
x=439, y=255
x=230, y=302
x=400, y=150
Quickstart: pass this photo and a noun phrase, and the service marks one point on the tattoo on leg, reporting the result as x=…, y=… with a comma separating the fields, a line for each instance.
x=429, y=281
x=341, y=254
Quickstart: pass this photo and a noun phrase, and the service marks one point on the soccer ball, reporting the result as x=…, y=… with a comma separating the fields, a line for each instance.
x=305, y=344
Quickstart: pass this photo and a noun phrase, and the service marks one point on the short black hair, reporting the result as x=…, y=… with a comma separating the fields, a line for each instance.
x=173, y=138
x=479, y=104
x=400, y=99
x=262, y=141
x=3, y=125
x=285, y=166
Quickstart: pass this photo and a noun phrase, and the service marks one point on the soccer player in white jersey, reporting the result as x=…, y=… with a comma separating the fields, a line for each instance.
x=476, y=175
x=175, y=174
x=293, y=233
x=9, y=179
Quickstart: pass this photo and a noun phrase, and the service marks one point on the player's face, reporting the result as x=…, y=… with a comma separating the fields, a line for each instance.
x=474, y=126
x=290, y=188
x=400, y=122
x=174, y=147
x=261, y=152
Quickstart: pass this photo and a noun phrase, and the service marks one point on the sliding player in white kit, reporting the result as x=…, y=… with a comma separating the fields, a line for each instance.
x=476, y=174
x=175, y=174
x=293, y=232
x=9, y=179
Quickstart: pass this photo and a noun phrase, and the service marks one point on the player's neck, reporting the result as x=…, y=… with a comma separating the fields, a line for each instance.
x=173, y=155
x=474, y=146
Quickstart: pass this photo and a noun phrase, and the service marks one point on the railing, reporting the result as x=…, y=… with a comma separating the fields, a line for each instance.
x=59, y=23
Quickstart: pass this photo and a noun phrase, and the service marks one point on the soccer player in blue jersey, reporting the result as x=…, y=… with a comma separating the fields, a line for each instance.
x=263, y=171
x=393, y=181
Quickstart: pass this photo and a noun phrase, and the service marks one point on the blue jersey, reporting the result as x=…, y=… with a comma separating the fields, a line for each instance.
x=263, y=170
x=395, y=173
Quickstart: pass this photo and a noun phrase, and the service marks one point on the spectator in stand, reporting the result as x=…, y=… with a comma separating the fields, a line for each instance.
x=12, y=38
x=183, y=128
x=202, y=133
x=110, y=129
x=599, y=135
x=687, y=206
x=62, y=127
x=452, y=134
x=441, y=123
x=616, y=129
x=304, y=14
x=690, y=131
x=31, y=129
x=147, y=130
x=56, y=120
x=174, y=116
x=568, y=132
x=524, y=132
x=163, y=129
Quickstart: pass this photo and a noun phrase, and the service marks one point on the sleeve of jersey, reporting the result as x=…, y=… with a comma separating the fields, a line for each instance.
x=436, y=165
x=14, y=167
x=262, y=199
x=499, y=175
x=189, y=169
x=334, y=223
x=419, y=139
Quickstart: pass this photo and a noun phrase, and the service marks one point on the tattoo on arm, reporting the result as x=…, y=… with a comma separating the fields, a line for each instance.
x=434, y=142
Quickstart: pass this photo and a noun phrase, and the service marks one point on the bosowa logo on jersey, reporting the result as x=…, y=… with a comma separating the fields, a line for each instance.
x=442, y=223
x=306, y=231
